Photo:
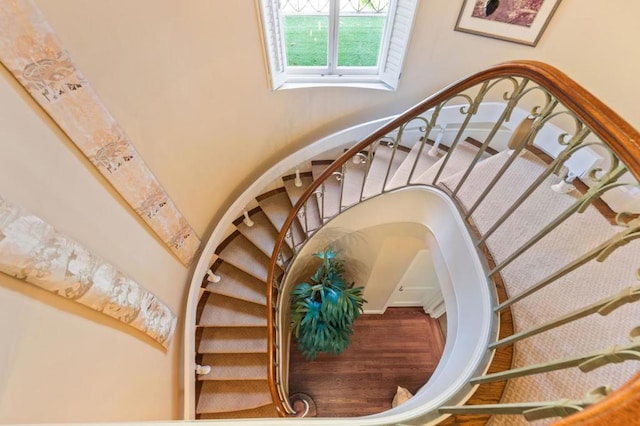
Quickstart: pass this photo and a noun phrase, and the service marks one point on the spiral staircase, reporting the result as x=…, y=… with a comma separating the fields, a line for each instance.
x=232, y=324
x=514, y=179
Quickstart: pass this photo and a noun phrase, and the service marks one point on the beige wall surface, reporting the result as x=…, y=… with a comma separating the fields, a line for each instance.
x=60, y=361
x=186, y=81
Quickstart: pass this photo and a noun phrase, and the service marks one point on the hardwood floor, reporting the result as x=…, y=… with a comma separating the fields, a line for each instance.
x=400, y=348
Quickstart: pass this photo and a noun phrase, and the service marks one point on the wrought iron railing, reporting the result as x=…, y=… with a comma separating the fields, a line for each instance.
x=597, y=148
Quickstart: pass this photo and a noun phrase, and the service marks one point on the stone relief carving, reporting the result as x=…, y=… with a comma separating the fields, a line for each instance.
x=52, y=77
x=32, y=250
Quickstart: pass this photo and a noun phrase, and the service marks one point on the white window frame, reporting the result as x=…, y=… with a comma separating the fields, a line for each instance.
x=385, y=76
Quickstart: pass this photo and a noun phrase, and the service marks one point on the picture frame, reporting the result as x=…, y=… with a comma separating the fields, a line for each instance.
x=516, y=21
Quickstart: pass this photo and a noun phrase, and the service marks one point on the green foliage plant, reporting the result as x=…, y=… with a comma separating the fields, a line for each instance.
x=324, y=308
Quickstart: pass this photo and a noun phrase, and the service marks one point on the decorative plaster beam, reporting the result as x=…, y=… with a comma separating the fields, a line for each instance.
x=33, y=53
x=32, y=250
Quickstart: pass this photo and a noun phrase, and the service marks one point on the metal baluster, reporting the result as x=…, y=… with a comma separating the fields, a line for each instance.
x=394, y=148
x=532, y=410
x=434, y=151
x=343, y=176
x=535, y=128
x=290, y=235
x=603, y=307
x=600, y=253
x=505, y=116
x=586, y=363
x=473, y=110
x=370, y=153
x=551, y=168
x=579, y=206
x=321, y=195
x=430, y=125
x=304, y=215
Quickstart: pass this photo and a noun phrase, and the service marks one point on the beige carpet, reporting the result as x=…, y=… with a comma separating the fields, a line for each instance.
x=583, y=286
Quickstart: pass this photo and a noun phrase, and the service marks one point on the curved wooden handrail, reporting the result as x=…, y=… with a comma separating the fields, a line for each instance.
x=618, y=134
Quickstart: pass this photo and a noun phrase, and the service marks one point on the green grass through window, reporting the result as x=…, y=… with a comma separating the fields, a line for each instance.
x=358, y=41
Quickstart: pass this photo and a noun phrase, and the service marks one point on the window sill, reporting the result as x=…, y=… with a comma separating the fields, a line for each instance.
x=304, y=82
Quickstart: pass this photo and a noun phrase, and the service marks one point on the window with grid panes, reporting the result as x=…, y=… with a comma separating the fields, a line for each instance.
x=358, y=43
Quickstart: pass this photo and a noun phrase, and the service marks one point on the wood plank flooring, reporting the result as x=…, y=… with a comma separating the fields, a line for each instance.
x=400, y=348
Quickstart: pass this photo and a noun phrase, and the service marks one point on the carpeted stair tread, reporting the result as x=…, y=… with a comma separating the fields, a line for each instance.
x=265, y=411
x=353, y=181
x=225, y=396
x=459, y=159
x=241, y=253
x=379, y=167
x=313, y=221
x=233, y=340
x=424, y=163
x=277, y=207
x=577, y=235
x=238, y=284
x=235, y=366
x=223, y=311
x=262, y=234
x=522, y=173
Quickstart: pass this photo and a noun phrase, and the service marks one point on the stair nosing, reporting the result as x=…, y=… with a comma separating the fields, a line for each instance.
x=227, y=241
x=271, y=193
x=293, y=176
x=234, y=297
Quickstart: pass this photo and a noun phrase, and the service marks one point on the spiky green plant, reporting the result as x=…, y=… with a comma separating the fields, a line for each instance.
x=323, y=309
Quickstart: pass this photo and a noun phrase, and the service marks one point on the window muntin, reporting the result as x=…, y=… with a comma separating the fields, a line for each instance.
x=330, y=37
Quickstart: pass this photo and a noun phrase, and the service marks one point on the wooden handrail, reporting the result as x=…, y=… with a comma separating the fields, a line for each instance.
x=613, y=130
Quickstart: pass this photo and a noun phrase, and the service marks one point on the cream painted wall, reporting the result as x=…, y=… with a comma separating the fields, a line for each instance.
x=61, y=362
x=186, y=81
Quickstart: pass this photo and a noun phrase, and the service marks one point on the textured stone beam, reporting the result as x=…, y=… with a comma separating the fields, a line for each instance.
x=32, y=250
x=32, y=52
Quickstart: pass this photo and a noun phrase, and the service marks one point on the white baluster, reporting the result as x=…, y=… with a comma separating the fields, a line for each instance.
x=565, y=185
x=433, y=152
x=297, y=181
x=203, y=369
x=212, y=278
x=247, y=220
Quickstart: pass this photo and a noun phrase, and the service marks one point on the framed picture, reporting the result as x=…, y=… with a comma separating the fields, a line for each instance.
x=518, y=21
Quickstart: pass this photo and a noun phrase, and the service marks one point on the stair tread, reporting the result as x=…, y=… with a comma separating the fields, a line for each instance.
x=353, y=181
x=252, y=366
x=237, y=283
x=425, y=161
x=264, y=411
x=313, y=221
x=225, y=311
x=244, y=255
x=233, y=340
x=459, y=160
x=277, y=208
x=379, y=167
x=225, y=396
x=262, y=234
